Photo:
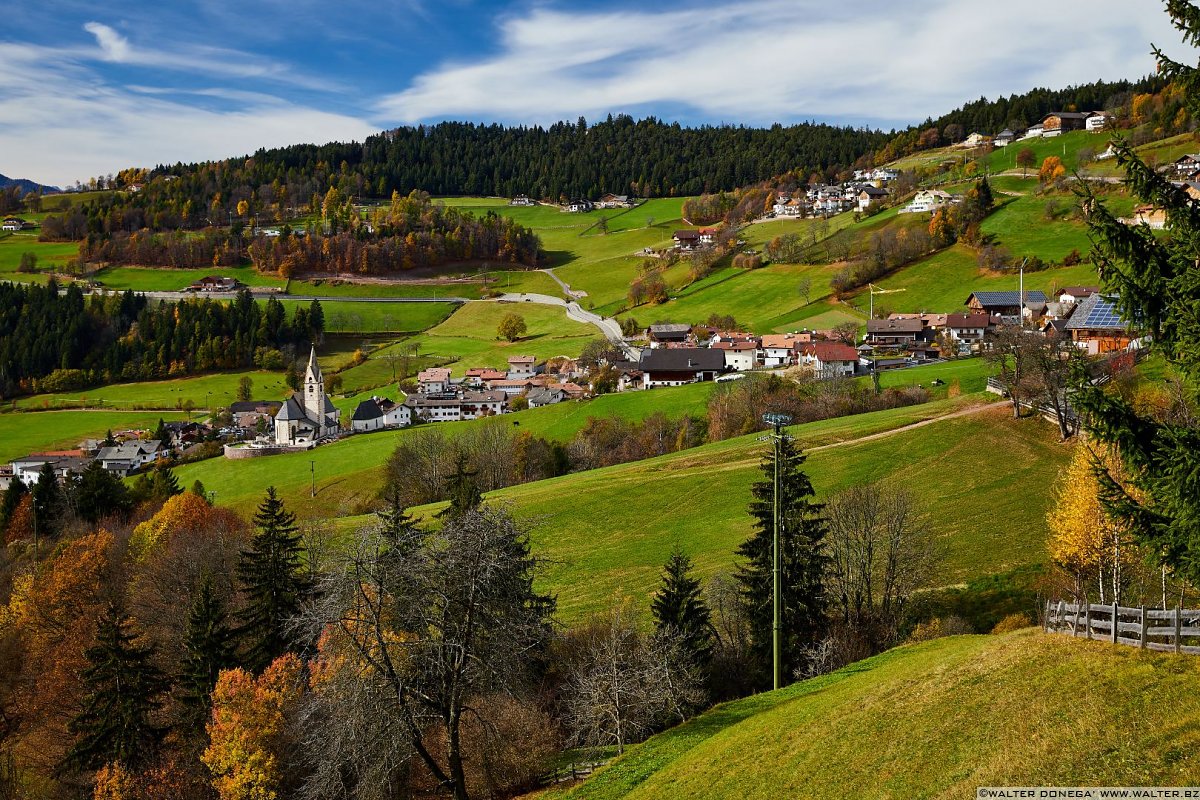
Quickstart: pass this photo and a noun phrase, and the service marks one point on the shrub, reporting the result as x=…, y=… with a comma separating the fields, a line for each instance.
x=1013, y=622
x=938, y=627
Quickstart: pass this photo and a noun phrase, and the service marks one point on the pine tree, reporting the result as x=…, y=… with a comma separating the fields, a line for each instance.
x=210, y=647
x=1159, y=289
x=462, y=489
x=124, y=690
x=99, y=494
x=160, y=433
x=47, y=497
x=802, y=564
x=273, y=581
x=679, y=608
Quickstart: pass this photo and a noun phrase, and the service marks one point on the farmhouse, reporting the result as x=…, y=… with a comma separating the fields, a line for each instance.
x=779, y=349
x=434, y=380
x=63, y=462
x=214, y=283
x=1149, y=215
x=16, y=224
x=926, y=200
x=1096, y=121
x=522, y=367
x=894, y=331
x=545, y=396
x=967, y=328
x=976, y=140
x=377, y=413
x=1004, y=137
x=687, y=239
x=1063, y=121
x=829, y=359
x=739, y=356
x=309, y=416
x=521, y=200
x=1073, y=294
x=1005, y=304
x=614, y=201
x=454, y=407
x=668, y=334
x=1096, y=325
x=870, y=196
x=578, y=206
x=129, y=457
x=680, y=365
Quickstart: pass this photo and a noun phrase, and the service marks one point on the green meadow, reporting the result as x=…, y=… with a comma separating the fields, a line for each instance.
x=206, y=391
x=935, y=720
x=22, y=433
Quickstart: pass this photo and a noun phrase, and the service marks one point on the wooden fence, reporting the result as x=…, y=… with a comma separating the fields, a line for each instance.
x=1161, y=629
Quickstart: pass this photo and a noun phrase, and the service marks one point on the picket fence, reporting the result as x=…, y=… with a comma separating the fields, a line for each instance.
x=1163, y=629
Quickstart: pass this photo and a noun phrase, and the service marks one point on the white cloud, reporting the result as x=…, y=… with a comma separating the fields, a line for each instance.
x=63, y=122
x=114, y=45
x=767, y=60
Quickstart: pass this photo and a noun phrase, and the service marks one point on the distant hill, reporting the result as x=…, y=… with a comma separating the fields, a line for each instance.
x=26, y=185
x=935, y=720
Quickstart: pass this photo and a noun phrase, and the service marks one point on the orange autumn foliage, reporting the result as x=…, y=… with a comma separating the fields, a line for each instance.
x=20, y=526
x=185, y=512
x=248, y=730
x=1052, y=169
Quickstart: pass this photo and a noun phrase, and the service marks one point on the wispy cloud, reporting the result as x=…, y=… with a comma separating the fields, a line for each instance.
x=766, y=60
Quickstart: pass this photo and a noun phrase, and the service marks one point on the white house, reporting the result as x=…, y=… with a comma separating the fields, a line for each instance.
x=869, y=196
x=968, y=328
x=129, y=457
x=521, y=367
x=63, y=463
x=308, y=416
x=926, y=201
x=377, y=413
x=829, y=359
x=454, y=407
x=434, y=380
x=545, y=396
x=1098, y=121
x=739, y=356
x=779, y=349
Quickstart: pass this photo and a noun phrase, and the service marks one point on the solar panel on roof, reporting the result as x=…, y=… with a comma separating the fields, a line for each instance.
x=1104, y=315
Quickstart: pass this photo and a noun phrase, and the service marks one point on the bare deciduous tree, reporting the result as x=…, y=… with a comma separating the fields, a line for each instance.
x=879, y=556
x=625, y=685
x=414, y=627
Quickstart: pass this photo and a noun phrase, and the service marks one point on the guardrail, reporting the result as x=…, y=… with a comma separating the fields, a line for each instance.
x=1145, y=628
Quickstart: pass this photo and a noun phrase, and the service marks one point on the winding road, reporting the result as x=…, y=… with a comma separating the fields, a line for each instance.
x=608, y=326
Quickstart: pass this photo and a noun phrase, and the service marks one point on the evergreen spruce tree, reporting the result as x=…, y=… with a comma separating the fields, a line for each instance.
x=1158, y=282
x=124, y=690
x=12, y=498
x=198, y=490
x=802, y=562
x=47, y=498
x=109, y=439
x=209, y=643
x=462, y=489
x=99, y=494
x=679, y=608
x=160, y=433
x=273, y=580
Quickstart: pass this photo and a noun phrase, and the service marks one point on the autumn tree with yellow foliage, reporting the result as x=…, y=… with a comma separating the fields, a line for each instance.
x=1086, y=543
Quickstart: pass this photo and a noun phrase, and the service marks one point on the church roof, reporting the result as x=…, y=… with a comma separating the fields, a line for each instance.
x=314, y=369
x=291, y=410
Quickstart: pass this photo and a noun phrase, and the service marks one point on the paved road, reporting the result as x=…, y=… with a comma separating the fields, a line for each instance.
x=609, y=327
x=280, y=296
x=565, y=286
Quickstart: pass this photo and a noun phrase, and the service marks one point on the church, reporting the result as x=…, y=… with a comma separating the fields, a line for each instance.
x=307, y=416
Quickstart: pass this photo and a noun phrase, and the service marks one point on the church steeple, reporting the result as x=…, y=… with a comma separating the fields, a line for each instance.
x=314, y=388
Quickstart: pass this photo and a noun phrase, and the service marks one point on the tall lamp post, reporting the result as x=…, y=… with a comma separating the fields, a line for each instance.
x=777, y=422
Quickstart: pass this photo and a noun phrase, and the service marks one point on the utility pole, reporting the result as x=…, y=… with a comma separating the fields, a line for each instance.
x=777, y=421
x=312, y=467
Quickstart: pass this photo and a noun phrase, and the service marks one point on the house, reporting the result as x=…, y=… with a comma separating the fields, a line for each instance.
x=545, y=396
x=894, y=332
x=708, y=236
x=1149, y=215
x=976, y=140
x=1096, y=325
x=884, y=175
x=668, y=334
x=1034, y=132
x=927, y=201
x=687, y=240
x=578, y=206
x=377, y=413
x=1096, y=121
x=1004, y=137
x=454, y=407
x=183, y=433
x=614, y=201
x=307, y=416
x=214, y=283
x=15, y=224
x=967, y=328
x=1062, y=121
x=247, y=413
x=521, y=200
x=1005, y=304
x=520, y=367
x=869, y=196
x=679, y=365
x=512, y=387
x=1073, y=294
x=129, y=457
x=739, y=356
x=434, y=380
x=63, y=462
x=779, y=349
x=829, y=359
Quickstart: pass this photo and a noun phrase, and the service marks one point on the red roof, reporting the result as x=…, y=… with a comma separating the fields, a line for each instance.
x=960, y=321
x=830, y=351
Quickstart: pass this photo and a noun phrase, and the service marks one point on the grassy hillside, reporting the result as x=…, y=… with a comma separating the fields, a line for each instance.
x=607, y=532
x=151, y=279
x=21, y=434
x=936, y=720
x=468, y=337
x=216, y=390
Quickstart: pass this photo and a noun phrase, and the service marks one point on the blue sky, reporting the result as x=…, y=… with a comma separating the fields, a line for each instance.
x=89, y=88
